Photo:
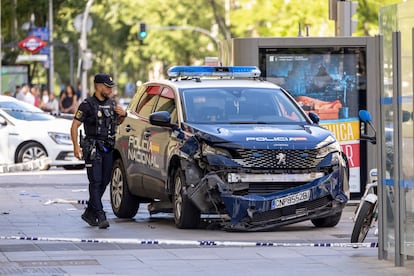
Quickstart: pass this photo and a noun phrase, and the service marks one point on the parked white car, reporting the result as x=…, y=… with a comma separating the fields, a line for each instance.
x=27, y=133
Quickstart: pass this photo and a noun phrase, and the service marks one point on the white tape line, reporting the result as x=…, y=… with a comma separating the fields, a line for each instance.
x=194, y=243
x=66, y=201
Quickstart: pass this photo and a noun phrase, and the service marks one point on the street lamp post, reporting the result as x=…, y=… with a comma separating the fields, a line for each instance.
x=86, y=55
x=51, y=51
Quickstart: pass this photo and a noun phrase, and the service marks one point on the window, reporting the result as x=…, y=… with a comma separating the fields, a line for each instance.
x=166, y=103
x=148, y=100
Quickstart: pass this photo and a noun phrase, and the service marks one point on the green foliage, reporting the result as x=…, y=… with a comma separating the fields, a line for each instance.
x=115, y=46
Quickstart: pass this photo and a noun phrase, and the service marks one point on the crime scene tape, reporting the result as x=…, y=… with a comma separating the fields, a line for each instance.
x=194, y=242
x=66, y=201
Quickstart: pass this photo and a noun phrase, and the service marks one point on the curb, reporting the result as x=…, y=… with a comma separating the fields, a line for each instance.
x=34, y=165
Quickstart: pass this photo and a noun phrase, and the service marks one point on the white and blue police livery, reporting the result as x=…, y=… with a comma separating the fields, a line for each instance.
x=221, y=140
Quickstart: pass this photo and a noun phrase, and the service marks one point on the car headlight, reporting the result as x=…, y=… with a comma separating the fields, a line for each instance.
x=207, y=149
x=327, y=146
x=60, y=138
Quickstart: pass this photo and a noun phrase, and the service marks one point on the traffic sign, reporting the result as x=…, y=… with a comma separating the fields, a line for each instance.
x=43, y=34
x=32, y=44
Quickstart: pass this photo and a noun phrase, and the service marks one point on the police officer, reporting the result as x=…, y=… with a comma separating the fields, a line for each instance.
x=99, y=115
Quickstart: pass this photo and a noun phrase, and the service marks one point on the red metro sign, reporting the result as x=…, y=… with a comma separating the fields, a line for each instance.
x=32, y=44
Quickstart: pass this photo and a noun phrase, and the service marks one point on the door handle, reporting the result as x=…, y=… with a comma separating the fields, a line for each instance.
x=147, y=134
x=128, y=128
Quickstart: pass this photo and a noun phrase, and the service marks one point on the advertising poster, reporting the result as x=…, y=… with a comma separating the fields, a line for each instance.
x=329, y=82
x=12, y=75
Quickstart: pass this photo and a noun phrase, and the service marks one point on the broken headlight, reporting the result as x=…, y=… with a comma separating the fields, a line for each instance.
x=327, y=146
x=207, y=149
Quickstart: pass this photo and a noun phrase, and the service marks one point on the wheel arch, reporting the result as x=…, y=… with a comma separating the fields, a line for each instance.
x=24, y=143
x=174, y=165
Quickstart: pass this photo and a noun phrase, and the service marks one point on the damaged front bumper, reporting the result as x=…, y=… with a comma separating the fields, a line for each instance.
x=321, y=197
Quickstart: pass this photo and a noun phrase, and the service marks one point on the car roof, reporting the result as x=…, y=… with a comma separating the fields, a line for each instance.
x=4, y=98
x=205, y=83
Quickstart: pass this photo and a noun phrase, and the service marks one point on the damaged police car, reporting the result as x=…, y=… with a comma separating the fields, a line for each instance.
x=219, y=140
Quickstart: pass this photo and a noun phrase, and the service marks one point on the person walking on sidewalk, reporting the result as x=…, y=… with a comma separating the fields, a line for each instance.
x=99, y=115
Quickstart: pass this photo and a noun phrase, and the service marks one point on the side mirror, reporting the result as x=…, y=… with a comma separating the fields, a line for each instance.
x=160, y=118
x=314, y=117
x=365, y=116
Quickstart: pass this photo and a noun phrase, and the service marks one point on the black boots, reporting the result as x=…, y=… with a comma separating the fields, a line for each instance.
x=93, y=219
x=102, y=222
x=89, y=217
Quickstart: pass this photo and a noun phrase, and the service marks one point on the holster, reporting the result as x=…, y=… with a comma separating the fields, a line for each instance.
x=88, y=149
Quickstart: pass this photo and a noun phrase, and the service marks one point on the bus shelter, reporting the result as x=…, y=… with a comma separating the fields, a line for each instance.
x=395, y=121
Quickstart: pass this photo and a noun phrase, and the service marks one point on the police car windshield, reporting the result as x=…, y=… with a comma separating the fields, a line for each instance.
x=24, y=111
x=239, y=105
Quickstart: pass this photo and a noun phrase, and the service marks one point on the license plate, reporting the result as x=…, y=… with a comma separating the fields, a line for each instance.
x=291, y=199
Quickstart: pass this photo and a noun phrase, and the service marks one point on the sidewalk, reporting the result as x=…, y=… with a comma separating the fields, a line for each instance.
x=153, y=246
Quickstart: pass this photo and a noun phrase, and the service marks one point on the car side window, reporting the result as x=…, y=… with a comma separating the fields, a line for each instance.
x=148, y=100
x=166, y=103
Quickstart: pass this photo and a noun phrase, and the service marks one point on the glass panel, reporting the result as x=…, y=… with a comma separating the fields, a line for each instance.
x=399, y=17
x=405, y=24
x=387, y=24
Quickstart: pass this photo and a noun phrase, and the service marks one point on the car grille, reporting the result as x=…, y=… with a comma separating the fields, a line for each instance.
x=277, y=159
x=266, y=188
x=290, y=210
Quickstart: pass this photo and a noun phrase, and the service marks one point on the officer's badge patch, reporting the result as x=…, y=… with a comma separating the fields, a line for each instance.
x=78, y=114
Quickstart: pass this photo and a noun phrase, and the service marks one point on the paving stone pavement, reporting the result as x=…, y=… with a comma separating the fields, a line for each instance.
x=127, y=247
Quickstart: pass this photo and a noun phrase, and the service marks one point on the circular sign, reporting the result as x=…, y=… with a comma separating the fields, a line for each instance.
x=78, y=23
x=32, y=44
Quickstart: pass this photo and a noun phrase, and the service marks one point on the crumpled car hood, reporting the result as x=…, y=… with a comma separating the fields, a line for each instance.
x=263, y=136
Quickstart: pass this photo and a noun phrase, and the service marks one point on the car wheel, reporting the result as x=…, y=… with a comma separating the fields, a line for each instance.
x=31, y=151
x=330, y=221
x=186, y=214
x=124, y=204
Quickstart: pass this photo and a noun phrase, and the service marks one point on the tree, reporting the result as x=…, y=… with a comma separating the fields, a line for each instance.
x=113, y=37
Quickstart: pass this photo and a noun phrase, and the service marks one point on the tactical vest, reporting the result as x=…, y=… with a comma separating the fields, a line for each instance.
x=101, y=125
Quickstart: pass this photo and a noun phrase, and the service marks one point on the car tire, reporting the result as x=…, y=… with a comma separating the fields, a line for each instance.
x=31, y=151
x=330, y=221
x=124, y=204
x=186, y=214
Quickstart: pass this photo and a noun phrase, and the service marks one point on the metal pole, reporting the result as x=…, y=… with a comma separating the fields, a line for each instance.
x=51, y=53
x=1, y=58
x=84, y=47
x=397, y=97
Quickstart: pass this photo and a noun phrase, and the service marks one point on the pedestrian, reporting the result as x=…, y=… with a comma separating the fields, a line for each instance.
x=34, y=90
x=49, y=102
x=25, y=95
x=16, y=90
x=68, y=101
x=99, y=115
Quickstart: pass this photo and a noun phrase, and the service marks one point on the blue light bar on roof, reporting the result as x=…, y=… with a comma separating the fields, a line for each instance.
x=214, y=71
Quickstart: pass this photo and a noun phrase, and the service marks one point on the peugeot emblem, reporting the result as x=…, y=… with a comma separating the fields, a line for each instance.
x=281, y=159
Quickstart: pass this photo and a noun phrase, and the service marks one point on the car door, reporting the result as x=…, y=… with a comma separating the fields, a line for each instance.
x=132, y=139
x=161, y=139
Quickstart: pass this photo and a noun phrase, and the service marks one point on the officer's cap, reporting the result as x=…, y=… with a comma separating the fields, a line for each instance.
x=105, y=79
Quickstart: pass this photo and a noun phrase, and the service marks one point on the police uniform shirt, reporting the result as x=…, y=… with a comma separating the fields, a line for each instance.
x=98, y=117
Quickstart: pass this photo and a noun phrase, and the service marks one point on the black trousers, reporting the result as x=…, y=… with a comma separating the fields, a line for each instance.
x=99, y=171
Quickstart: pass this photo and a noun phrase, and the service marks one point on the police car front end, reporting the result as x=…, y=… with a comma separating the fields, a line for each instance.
x=259, y=159
x=261, y=187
